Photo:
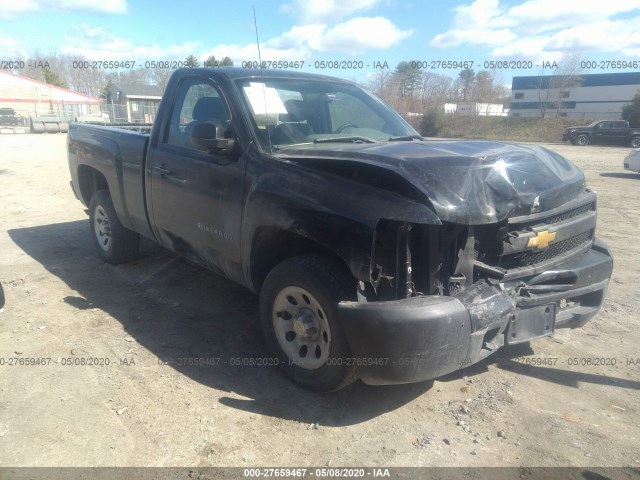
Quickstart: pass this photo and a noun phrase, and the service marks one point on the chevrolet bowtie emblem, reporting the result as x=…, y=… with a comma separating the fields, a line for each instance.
x=541, y=240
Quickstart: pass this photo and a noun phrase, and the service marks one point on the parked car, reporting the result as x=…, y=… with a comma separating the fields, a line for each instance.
x=376, y=254
x=8, y=117
x=632, y=161
x=1, y=297
x=604, y=131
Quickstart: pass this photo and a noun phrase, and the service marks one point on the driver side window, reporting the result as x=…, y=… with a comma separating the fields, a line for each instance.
x=197, y=101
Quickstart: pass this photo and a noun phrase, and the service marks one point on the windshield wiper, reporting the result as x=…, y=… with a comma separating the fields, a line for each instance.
x=354, y=139
x=405, y=138
x=287, y=145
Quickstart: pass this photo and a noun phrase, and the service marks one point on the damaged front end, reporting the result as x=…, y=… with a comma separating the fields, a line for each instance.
x=442, y=297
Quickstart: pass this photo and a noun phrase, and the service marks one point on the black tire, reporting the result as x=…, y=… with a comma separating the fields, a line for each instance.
x=114, y=242
x=582, y=140
x=635, y=142
x=318, y=283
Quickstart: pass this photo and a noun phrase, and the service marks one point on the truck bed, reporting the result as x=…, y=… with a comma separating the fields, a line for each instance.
x=117, y=155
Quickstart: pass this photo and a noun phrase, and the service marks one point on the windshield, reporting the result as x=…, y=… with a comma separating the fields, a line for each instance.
x=307, y=112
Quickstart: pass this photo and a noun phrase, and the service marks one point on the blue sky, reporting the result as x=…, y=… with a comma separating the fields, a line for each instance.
x=356, y=30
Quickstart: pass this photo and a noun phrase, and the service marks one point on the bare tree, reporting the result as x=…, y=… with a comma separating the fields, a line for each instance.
x=88, y=81
x=436, y=90
x=543, y=94
x=160, y=77
x=566, y=77
x=380, y=83
x=138, y=76
x=554, y=88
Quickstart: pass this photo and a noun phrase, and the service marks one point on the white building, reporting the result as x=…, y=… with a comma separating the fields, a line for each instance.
x=477, y=109
x=599, y=96
x=32, y=98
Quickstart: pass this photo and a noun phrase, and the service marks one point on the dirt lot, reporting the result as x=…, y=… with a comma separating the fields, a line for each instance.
x=141, y=405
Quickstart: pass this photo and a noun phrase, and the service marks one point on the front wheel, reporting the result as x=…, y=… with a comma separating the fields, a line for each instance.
x=582, y=140
x=114, y=242
x=299, y=316
x=635, y=142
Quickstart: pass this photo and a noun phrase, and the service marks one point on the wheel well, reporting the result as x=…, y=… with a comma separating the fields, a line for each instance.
x=272, y=246
x=90, y=180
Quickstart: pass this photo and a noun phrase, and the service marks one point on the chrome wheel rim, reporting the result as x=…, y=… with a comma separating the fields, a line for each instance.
x=102, y=229
x=301, y=328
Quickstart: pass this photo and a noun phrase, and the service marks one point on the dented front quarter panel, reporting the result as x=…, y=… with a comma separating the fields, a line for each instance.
x=335, y=212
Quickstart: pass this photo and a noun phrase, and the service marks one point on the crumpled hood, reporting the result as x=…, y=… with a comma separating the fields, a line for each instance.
x=468, y=182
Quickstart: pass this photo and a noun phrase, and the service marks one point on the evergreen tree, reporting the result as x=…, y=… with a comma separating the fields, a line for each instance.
x=631, y=111
x=408, y=78
x=52, y=78
x=467, y=77
x=192, y=62
x=106, y=90
x=212, y=62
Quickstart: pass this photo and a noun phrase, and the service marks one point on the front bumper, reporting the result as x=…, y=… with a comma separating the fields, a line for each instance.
x=422, y=338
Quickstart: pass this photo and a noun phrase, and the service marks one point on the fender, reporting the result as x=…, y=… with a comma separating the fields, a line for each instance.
x=337, y=213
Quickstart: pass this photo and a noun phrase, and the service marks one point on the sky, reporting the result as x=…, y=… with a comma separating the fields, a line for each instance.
x=361, y=35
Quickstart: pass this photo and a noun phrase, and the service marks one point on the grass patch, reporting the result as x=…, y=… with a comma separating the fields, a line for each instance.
x=516, y=129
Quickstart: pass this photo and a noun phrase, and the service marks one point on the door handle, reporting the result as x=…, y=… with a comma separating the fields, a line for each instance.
x=163, y=170
x=168, y=175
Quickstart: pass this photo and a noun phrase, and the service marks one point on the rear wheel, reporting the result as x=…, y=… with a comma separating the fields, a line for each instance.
x=299, y=315
x=114, y=242
x=582, y=140
x=635, y=142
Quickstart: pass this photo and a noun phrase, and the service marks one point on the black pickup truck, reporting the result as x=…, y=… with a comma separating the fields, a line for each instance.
x=376, y=254
x=615, y=132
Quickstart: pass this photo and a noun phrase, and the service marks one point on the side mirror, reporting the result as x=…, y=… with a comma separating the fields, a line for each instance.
x=209, y=137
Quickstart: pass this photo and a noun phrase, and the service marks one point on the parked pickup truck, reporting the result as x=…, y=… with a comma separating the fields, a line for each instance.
x=607, y=131
x=376, y=254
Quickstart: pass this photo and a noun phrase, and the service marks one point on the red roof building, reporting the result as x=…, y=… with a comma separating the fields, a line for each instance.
x=32, y=98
